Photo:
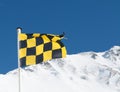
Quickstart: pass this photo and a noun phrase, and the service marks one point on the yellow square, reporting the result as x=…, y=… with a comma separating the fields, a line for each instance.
x=47, y=56
x=55, y=46
x=55, y=38
x=39, y=49
x=45, y=39
x=30, y=60
x=22, y=37
x=36, y=35
x=22, y=52
x=31, y=43
x=64, y=52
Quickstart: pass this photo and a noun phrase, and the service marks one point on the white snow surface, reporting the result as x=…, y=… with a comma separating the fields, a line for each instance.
x=83, y=72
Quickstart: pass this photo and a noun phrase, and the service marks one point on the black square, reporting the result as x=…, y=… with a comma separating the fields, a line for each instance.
x=39, y=41
x=29, y=36
x=57, y=54
x=47, y=46
x=50, y=37
x=23, y=62
x=39, y=58
x=23, y=44
x=31, y=51
x=60, y=43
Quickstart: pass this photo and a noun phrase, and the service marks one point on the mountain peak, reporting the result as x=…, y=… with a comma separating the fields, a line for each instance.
x=115, y=50
x=113, y=53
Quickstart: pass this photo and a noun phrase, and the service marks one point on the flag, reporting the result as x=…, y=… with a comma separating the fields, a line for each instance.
x=36, y=48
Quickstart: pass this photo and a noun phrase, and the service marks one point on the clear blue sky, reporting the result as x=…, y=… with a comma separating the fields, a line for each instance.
x=90, y=25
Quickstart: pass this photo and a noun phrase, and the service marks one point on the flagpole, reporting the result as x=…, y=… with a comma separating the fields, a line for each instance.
x=18, y=46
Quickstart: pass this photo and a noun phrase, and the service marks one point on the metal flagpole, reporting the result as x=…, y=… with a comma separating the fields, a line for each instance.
x=18, y=46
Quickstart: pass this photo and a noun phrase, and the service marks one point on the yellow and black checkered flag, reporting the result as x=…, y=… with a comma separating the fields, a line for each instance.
x=37, y=48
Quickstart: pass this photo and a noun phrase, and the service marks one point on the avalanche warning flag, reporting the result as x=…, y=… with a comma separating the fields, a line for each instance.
x=37, y=48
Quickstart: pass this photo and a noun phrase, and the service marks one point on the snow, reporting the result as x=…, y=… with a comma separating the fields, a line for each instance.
x=83, y=72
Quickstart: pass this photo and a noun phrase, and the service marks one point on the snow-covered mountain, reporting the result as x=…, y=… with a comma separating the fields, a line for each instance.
x=83, y=72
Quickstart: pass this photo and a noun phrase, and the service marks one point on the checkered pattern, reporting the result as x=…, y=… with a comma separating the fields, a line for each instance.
x=37, y=48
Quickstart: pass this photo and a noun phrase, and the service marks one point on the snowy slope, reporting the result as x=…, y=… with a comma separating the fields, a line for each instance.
x=83, y=72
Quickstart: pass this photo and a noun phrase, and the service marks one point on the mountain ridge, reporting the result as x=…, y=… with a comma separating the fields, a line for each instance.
x=75, y=73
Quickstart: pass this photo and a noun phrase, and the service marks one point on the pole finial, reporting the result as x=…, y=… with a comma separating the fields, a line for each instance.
x=19, y=28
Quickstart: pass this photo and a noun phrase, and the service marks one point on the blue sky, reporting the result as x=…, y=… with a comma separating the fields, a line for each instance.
x=90, y=25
